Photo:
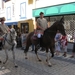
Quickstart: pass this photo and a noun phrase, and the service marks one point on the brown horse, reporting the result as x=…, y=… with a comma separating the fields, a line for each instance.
x=47, y=40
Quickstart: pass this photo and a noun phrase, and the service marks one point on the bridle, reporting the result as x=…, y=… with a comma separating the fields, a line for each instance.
x=10, y=42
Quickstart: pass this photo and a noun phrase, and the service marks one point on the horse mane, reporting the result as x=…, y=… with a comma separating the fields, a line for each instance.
x=51, y=29
x=54, y=24
x=58, y=25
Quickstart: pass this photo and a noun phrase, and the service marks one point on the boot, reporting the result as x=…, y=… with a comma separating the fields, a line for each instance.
x=1, y=45
x=64, y=54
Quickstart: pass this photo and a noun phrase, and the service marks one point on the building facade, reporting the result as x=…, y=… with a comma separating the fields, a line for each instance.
x=22, y=13
x=46, y=3
x=54, y=10
x=18, y=13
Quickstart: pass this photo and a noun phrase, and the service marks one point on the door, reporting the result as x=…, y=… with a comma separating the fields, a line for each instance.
x=25, y=27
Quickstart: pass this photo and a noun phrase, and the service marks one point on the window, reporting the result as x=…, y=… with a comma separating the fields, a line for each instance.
x=30, y=1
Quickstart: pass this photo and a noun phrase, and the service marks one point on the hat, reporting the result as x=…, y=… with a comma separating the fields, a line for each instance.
x=3, y=19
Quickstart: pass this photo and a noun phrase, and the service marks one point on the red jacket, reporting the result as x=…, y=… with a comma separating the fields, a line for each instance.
x=64, y=39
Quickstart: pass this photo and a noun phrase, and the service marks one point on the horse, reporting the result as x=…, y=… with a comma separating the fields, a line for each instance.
x=47, y=40
x=9, y=43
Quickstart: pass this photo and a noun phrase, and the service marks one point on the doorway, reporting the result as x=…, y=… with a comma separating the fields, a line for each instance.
x=25, y=27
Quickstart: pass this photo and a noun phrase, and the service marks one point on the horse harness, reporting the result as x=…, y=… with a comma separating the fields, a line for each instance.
x=8, y=41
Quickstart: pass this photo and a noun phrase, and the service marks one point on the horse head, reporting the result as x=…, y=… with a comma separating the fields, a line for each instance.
x=62, y=20
x=13, y=33
x=12, y=30
x=58, y=25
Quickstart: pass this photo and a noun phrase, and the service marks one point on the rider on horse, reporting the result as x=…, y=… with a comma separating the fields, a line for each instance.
x=41, y=25
x=3, y=30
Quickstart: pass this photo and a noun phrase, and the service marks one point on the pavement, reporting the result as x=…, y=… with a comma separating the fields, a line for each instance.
x=31, y=66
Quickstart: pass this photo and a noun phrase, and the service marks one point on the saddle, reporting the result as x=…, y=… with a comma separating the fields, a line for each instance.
x=34, y=37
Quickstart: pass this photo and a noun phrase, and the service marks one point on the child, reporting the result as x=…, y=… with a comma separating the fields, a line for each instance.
x=64, y=45
x=57, y=42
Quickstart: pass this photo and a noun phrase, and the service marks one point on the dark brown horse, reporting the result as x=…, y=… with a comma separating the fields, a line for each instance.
x=47, y=40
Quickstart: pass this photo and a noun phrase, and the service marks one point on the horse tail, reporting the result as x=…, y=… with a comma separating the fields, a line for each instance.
x=28, y=42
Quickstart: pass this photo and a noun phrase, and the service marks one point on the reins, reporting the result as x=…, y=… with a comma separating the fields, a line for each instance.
x=9, y=41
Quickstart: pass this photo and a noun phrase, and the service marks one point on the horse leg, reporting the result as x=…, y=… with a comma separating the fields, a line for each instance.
x=37, y=54
x=49, y=57
x=13, y=53
x=0, y=61
x=6, y=56
x=25, y=51
x=52, y=51
x=47, y=60
x=1, y=65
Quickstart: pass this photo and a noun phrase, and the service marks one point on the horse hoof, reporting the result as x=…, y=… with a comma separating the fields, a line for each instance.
x=3, y=62
x=46, y=60
x=0, y=61
x=3, y=68
x=65, y=55
x=40, y=60
x=26, y=58
x=16, y=66
x=50, y=65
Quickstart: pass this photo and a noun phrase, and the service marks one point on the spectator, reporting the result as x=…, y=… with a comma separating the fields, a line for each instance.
x=57, y=42
x=23, y=39
x=64, y=45
x=19, y=40
x=73, y=51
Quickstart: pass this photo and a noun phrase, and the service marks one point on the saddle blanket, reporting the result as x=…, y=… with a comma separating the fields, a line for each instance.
x=34, y=37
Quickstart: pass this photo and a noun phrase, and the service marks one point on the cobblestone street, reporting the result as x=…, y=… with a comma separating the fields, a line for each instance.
x=31, y=66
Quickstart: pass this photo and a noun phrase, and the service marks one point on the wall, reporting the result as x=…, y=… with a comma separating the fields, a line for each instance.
x=44, y=3
x=0, y=4
x=2, y=11
x=16, y=15
x=12, y=12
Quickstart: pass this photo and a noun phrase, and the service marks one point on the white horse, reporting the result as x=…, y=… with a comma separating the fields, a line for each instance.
x=10, y=44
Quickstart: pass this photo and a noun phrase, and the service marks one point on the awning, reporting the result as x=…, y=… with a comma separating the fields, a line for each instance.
x=11, y=23
x=51, y=11
x=68, y=8
x=62, y=9
x=37, y=11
